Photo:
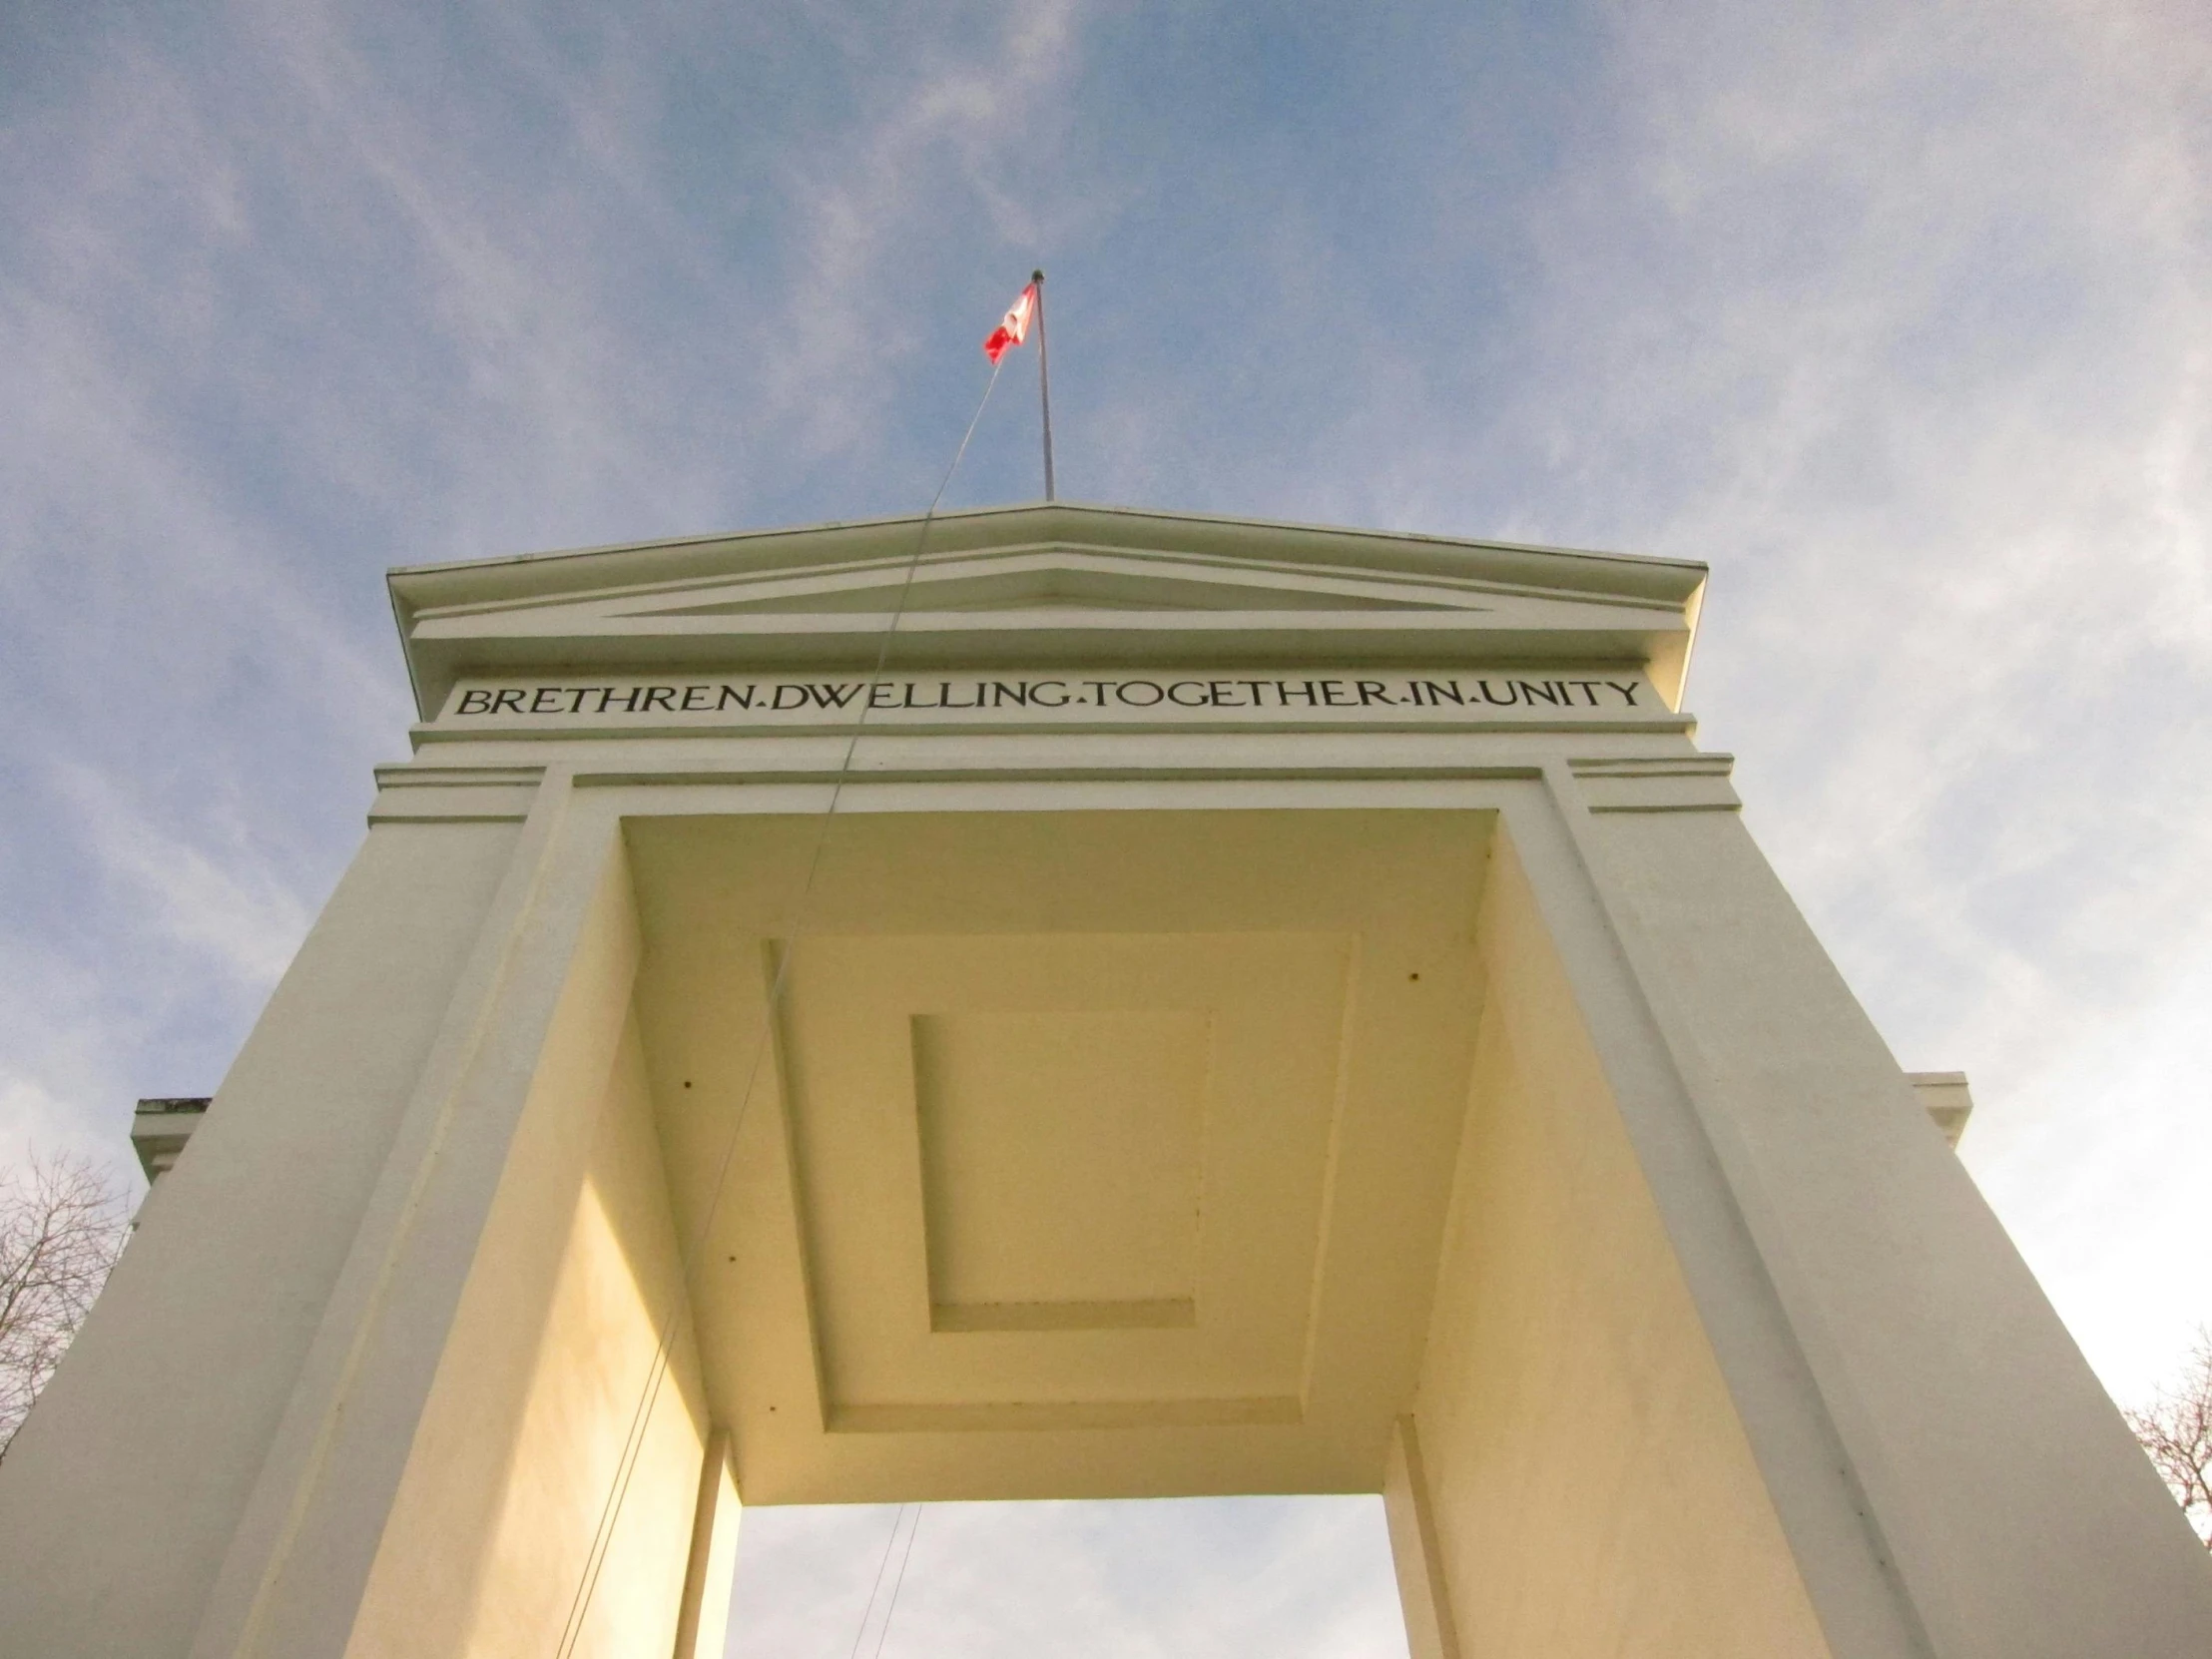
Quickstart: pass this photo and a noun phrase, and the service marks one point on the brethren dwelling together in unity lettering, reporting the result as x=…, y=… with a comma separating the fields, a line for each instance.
x=936, y=694
x=1070, y=1002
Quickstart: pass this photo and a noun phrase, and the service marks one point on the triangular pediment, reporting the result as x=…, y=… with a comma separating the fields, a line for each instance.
x=1048, y=579
x=1041, y=585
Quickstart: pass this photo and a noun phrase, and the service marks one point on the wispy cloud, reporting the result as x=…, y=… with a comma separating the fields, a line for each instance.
x=228, y=908
x=1897, y=313
x=1930, y=324
x=1153, y=1580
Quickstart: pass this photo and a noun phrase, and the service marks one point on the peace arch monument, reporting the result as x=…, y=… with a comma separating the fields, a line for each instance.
x=1274, y=1009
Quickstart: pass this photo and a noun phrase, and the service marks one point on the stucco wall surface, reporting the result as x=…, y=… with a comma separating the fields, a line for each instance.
x=1592, y=1487
x=151, y=1437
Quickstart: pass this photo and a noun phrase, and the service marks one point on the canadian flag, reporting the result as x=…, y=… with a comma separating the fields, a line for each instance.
x=1013, y=327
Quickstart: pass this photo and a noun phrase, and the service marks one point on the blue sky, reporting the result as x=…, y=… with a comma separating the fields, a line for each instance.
x=1896, y=314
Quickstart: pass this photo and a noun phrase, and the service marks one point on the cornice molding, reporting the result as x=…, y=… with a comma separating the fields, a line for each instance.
x=1039, y=586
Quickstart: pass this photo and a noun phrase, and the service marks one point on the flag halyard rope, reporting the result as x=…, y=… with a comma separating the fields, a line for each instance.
x=860, y=1634
x=572, y=1628
x=883, y=1631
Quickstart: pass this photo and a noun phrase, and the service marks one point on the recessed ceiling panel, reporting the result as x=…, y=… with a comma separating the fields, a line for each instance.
x=1098, y=1152
x=1061, y=1166
x=1089, y=1166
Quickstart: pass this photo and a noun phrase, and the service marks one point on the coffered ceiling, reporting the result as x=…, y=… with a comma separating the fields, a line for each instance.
x=1094, y=1153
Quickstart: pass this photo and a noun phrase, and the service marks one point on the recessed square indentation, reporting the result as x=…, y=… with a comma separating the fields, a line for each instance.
x=944, y=1249
x=1061, y=1167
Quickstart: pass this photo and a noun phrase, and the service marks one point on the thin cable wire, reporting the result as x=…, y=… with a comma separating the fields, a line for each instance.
x=898, y=1515
x=889, y=1613
x=571, y=1627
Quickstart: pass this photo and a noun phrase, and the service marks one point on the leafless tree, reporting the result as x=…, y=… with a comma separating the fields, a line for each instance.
x=63, y=1221
x=2177, y=1431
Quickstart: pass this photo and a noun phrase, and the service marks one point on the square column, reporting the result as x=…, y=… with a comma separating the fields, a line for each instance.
x=2006, y=1492
x=1729, y=1355
x=123, y=1491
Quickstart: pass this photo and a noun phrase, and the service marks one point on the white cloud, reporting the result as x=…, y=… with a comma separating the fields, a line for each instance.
x=1911, y=346
x=2110, y=1153
x=1155, y=1579
x=228, y=910
x=1897, y=314
x=34, y=1121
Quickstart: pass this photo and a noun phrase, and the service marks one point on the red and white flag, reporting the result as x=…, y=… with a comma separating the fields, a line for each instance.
x=1013, y=327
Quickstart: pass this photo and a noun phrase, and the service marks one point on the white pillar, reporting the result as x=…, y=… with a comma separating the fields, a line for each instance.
x=442, y=1471
x=409, y=1310
x=1591, y=1482
x=1417, y=1549
x=1729, y=1356
x=123, y=1491
x=702, y=1623
x=2000, y=1485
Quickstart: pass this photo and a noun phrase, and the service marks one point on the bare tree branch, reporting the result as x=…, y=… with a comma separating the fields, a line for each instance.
x=63, y=1221
x=2175, y=1430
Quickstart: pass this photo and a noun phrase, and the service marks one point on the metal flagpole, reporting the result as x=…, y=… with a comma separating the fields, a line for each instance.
x=1044, y=383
